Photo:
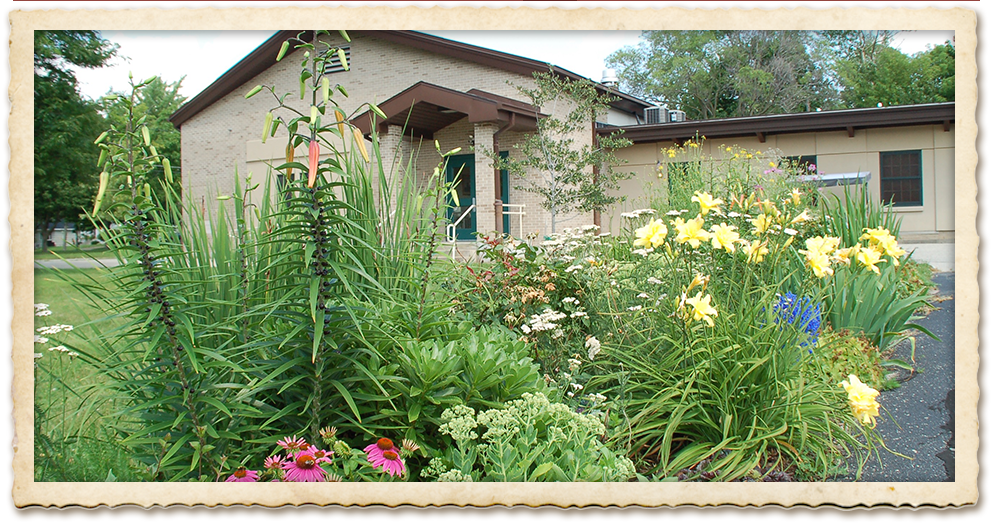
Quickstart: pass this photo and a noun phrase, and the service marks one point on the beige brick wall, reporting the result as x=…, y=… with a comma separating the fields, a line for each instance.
x=226, y=136
x=214, y=141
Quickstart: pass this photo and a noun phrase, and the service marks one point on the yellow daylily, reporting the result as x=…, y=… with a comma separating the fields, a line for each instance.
x=844, y=255
x=652, y=235
x=691, y=231
x=702, y=310
x=796, y=196
x=761, y=224
x=863, y=400
x=818, y=262
x=803, y=217
x=823, y=245
x=755, y=251
x=699, y=279
x=706, y=202
x=724, y=237
x=870, y=257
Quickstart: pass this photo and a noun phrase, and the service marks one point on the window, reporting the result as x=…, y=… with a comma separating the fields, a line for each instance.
x=901, y=178
x=804, y=164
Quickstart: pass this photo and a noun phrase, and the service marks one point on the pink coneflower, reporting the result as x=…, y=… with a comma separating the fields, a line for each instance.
x=391, y=463
x=320, y=456
x=293, y=445
x=383, y=454
x=273, y=462
x=375, y=449
x=304, y=468
x=244, y=475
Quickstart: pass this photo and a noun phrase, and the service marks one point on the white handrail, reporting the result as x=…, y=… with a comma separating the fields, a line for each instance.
x=507, y=210
x=452, y=230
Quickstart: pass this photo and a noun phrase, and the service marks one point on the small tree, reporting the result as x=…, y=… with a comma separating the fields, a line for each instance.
x=553, y=162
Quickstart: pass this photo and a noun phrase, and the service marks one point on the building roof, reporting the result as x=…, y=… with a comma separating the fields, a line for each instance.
x=263, y=57
x=848, y=120
x=425, y=108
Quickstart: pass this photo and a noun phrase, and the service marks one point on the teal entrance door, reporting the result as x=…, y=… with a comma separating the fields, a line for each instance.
x=461, y=169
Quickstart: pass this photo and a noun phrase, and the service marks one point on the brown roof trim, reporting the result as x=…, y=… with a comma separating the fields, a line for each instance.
x=477, y=105
x=256, y=62
x=263, y=57
x=762, y=126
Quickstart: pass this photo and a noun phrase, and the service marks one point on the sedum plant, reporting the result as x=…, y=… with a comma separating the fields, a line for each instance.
x=531, y=439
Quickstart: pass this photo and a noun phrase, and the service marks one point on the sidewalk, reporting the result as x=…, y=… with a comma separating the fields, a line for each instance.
x=940, y=255
x=917, y=419
x=78, y=262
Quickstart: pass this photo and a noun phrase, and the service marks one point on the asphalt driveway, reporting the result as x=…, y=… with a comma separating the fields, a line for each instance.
x=917, y=419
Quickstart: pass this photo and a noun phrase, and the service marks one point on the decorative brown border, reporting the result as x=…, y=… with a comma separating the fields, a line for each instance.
x=587, y=516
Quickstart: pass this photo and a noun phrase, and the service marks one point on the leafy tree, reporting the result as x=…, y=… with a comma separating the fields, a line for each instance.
x=893, y=78
x=551, y=162
x=65, y=125
x=715, y=74
x=155, y=100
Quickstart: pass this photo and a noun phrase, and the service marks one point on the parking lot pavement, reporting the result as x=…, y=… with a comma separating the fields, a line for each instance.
x=917, y=419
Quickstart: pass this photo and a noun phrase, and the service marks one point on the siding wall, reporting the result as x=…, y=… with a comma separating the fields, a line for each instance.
x=835, y=152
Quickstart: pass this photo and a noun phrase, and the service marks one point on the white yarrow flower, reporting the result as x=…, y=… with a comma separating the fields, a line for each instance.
x=593, y=347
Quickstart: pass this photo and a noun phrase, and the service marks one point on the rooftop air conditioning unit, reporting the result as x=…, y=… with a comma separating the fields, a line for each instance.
x=656, y=115
x=677, y=115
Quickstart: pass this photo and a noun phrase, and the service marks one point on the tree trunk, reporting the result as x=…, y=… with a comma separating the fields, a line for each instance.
x=46, y=233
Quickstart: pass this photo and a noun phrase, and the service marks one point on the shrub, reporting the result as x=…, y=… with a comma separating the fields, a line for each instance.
x=861, y=301
x=479, y=368
x=848, y=353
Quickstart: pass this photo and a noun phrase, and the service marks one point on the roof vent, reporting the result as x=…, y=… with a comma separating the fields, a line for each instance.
x=609, y=77
x=677, y=115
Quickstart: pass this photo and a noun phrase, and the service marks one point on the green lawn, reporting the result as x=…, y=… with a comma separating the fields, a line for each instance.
x=73, y=441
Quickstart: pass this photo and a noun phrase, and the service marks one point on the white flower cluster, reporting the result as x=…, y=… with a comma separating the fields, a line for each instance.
x=543, y=321
x=643, y=252
x=40, y=339
x=574, y=364
x=54, y=329
x=654, y=281
x=41, y=309
x=593, y=346
x=637, y=213
x=572, y=242
x=459, y=423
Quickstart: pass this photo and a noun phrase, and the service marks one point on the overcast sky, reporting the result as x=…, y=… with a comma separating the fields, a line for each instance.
x=168, y=53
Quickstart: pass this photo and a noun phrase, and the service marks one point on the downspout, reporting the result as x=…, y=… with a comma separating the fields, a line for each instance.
x=596, y=214
x=498, y=173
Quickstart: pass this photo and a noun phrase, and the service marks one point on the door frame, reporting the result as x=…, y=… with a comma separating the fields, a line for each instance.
x=453, y=163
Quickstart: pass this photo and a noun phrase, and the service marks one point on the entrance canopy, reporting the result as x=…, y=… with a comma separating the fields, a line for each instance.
x=426, y=108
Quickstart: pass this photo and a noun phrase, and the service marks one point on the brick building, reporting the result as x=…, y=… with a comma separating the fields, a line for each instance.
x=434, y=89
x=429, y=87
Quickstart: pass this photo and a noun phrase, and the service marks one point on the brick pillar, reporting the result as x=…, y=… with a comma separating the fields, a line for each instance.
x=485, y=191
x=390, y=144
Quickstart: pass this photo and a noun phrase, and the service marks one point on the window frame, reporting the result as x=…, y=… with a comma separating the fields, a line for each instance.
x=882, y=178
